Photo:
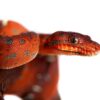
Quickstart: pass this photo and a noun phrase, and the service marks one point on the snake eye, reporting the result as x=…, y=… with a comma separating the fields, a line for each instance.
x=74, y=40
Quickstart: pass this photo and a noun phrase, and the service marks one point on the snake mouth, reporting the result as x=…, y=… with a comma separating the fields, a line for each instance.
x=83, y=50
x=78, y=51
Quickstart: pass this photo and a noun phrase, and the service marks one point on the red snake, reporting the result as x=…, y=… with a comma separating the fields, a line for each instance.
x=30, y=53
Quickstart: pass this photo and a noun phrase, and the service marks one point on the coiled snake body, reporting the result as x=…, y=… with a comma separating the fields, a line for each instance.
x=28, y=61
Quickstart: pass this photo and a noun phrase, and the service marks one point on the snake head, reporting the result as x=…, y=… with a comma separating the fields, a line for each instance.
x=72, y=43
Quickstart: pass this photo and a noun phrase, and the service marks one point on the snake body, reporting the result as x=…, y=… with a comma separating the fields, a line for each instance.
x=13, y=41
x=29, y=54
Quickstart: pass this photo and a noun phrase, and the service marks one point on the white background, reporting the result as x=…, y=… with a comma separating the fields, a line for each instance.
x=79, y=76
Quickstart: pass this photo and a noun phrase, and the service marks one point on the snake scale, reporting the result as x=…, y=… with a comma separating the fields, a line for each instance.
x=28, y=60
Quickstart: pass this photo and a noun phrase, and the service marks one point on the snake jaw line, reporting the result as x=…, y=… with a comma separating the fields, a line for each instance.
x=78, y=50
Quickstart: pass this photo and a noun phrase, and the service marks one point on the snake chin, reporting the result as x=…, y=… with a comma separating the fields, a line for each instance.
x=89, y=53
x=94, y=53
x=90, y=50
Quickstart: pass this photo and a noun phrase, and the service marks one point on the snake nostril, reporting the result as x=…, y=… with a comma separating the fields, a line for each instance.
x=87, y=37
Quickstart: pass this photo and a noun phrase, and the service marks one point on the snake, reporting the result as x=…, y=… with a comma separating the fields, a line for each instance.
x=29, y=62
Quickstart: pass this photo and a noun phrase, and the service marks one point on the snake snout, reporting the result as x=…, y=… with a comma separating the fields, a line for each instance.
x=91, y=48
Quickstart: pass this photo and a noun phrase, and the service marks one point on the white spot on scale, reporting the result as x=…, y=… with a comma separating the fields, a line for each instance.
x=4, y=22
x=37, y=88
